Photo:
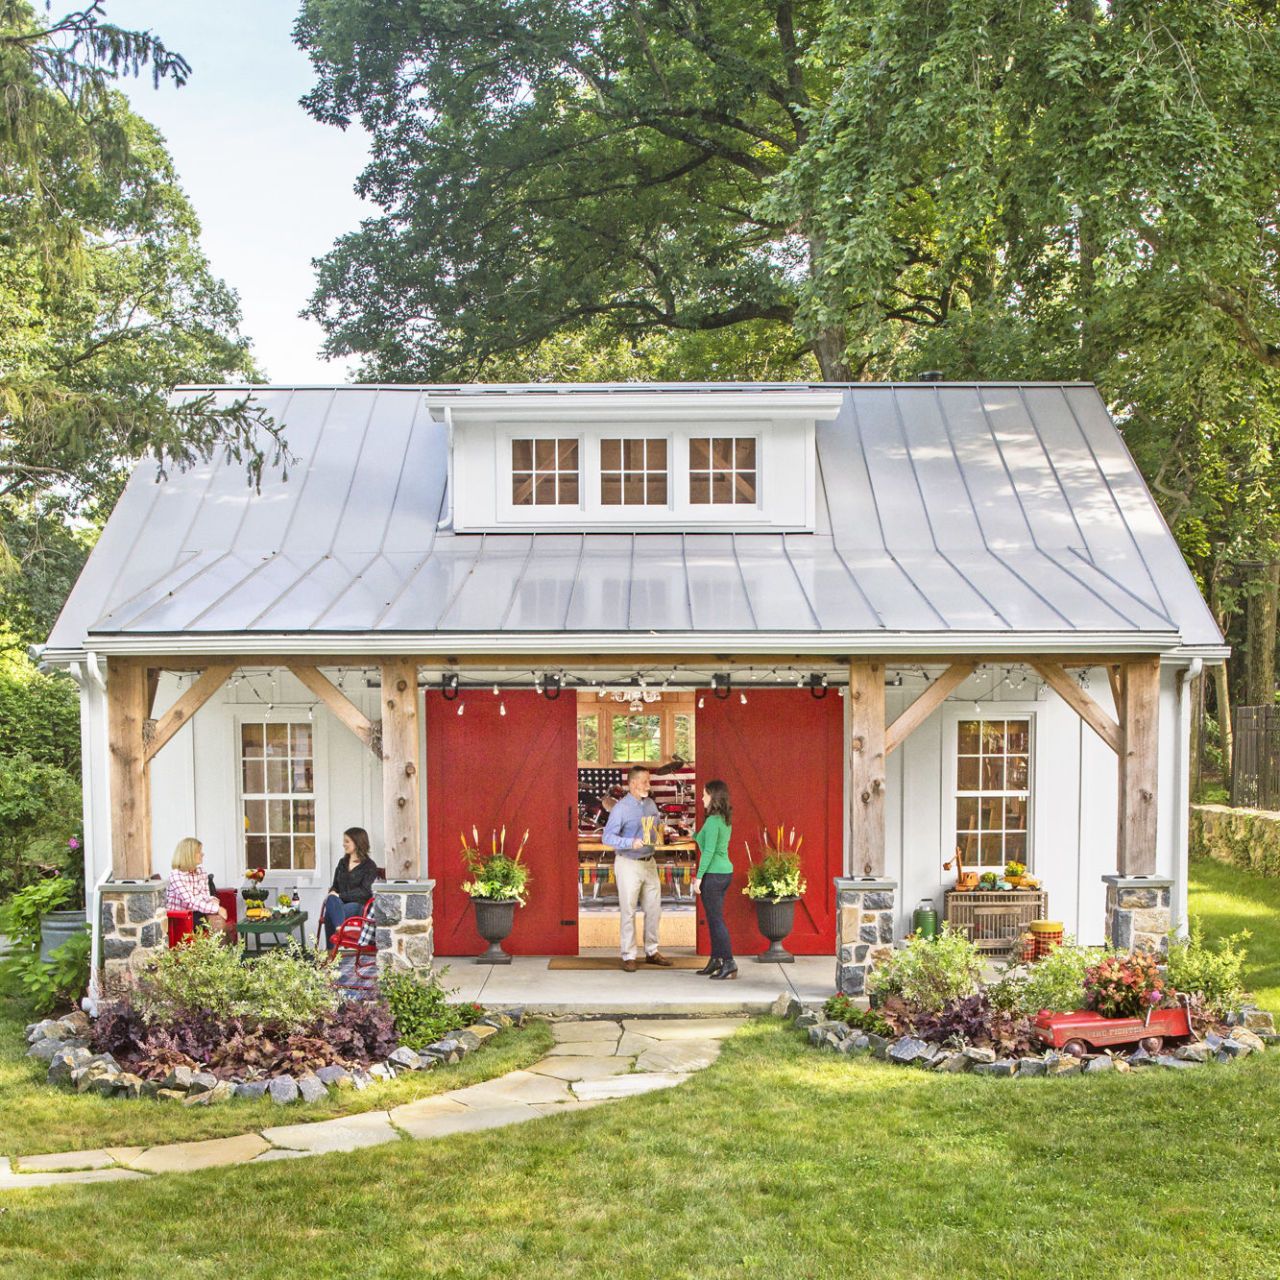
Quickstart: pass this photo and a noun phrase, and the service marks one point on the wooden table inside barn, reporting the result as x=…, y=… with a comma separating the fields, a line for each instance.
x=278, y=927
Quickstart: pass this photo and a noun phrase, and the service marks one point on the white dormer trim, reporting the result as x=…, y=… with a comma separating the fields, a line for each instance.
x=783, y=425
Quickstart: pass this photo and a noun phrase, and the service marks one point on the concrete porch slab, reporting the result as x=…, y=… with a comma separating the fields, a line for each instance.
x=527, y=983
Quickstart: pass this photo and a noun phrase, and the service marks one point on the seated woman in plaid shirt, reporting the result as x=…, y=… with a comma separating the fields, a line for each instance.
x=188, y=889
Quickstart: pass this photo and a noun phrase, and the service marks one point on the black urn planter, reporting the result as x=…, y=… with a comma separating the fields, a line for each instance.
x=495, y=918
x=776, y=918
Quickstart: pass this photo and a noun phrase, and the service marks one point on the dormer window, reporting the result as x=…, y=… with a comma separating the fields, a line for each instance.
x=633, y=472
x=722, y=470
x=544, y=473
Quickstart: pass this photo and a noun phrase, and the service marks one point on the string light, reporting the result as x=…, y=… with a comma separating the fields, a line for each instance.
x=702, y=702
x=462, y=706
x=502, y=709
x=742, y=697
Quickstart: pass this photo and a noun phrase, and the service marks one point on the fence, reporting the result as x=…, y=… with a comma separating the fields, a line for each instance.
x=1255, y=762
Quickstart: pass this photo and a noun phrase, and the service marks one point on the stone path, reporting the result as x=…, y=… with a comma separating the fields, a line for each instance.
x=590, y=1063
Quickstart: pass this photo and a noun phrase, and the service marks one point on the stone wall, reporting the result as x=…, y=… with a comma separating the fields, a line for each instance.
x=1247, y=838
x=402, y=909
x=133, y=924
x=1139, y=912
x=864, y=929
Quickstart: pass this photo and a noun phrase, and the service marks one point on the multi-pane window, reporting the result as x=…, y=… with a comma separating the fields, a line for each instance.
x=683, y=735
x=277, y=771
x=722, y=470
x=544, y=473
x=637, y=739
x=633, y=473
x=589, y=738
x=993, y=791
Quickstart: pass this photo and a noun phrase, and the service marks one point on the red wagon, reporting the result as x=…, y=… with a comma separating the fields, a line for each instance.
x=1085, y=1032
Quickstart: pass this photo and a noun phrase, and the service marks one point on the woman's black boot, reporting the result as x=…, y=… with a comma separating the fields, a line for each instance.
x=728, y=969
x=711, y=966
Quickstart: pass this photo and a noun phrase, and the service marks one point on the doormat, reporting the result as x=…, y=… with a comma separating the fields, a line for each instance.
x=615, y=962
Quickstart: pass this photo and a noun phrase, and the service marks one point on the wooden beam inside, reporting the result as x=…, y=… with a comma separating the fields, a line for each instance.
x=127, y=709
x=1138, y=768
x=926, y=704
x=401, y=812
x=210, y=681
x=1080, y=702
x=337, y=702
x=866, y=767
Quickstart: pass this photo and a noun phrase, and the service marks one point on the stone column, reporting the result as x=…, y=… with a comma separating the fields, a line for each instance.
x=402, y=909
x=133, y=925
x=1139, y=912
x=864, y=929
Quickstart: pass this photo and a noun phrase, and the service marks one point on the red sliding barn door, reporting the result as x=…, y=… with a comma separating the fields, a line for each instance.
x=521, y=769
x=782, y=755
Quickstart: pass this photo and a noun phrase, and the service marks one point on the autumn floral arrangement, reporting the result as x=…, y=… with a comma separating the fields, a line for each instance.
x=1125, y=986
x=495, y=876
x=777, y=874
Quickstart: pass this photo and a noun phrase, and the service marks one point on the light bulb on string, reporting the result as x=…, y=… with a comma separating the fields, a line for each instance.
x=495, y=690
x=502, y=709
x=702, y=702
x=742, y=697
x=462, y=706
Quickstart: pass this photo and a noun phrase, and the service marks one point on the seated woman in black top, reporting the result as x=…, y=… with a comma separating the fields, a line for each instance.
x=352, y=881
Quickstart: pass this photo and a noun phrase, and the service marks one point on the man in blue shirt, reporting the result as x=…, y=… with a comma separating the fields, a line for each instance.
x=631, y=832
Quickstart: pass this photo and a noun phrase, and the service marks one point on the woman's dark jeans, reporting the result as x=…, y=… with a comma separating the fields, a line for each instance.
x=714, y=887
x=335, y=912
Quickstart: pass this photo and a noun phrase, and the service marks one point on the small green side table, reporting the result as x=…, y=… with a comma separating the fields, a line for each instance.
x=279, y=927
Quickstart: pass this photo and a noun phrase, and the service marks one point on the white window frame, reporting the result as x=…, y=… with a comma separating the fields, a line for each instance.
x=726, y=509
x=957, y=712
x=524, y=510
x=624, y=438
x=284, y=714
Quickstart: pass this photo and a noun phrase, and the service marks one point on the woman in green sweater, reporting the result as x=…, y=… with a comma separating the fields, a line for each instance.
x=715, y=871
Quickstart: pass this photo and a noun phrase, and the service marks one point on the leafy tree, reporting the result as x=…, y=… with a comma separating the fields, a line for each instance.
x=106, y=301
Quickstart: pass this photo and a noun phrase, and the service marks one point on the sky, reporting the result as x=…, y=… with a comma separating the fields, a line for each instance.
x=271, y=186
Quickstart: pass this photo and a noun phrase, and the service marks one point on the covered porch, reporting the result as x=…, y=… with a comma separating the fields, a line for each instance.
x=863, y=748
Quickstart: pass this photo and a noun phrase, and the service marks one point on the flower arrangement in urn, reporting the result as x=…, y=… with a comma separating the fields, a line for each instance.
x=497, y=886
x=774, y=884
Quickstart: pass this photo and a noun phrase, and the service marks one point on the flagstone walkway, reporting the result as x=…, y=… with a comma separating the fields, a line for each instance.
x=590, y=1063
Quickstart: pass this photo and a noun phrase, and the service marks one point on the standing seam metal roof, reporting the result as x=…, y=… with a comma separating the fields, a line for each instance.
x=942, y=508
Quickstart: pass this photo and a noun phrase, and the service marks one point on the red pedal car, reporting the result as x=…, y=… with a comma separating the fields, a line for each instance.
x=1087, y=1032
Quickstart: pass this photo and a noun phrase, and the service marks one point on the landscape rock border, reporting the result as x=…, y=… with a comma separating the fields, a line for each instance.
x=64, y=1044
x=1252, y=1031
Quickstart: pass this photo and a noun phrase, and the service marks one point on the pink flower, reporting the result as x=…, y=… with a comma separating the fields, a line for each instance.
x=73, y=843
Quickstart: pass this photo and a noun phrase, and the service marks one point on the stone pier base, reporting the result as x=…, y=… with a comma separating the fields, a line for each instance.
x=403, y=909
x=864, y=929
x=133, y=924
x=1139, y=912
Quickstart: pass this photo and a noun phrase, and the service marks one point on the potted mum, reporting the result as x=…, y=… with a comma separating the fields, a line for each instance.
x=496, y=888
x=775, y=884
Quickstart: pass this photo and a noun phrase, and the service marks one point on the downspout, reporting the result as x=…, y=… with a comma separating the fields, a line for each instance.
x=1182, y=779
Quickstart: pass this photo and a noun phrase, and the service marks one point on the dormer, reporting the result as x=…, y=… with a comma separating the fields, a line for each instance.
x=627, y=460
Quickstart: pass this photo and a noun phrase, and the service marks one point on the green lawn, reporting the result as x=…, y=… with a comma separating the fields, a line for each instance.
x=36, y=1117
x=1227, y=900
x=776, y=1162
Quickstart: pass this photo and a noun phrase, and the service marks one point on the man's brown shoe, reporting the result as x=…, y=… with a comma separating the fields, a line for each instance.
x=659, y=959
x=628, y=966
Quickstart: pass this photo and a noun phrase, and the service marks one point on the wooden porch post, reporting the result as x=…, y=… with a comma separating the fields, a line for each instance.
x=1139, y=687
x=400, y=769
x=866, y=767
x=128, y=706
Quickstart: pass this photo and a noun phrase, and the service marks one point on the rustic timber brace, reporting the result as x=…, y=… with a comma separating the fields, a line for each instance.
x=926, y=704
x=369, y=732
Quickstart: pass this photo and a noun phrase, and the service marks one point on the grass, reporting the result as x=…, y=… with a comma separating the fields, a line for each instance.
x=36, y=1117
x=776, y=1162
x=1227, y=900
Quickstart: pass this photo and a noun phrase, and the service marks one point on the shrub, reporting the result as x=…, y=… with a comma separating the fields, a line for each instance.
x=928, y=973
x=841, y=1008
x=971, y=1020
x=1124, y=986
x=1056, y=981
x=203, y=977
x=1216, y=974
x=44, y=985
x=421, y=1007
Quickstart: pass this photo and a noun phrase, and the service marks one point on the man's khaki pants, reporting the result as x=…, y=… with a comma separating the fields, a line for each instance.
x=638, y=883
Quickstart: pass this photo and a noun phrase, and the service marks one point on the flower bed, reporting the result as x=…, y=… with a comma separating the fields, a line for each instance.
x=931, y=1010
x=204, y=1026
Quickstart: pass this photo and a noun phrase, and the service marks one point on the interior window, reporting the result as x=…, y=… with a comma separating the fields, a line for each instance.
x=277, y=788
x=633, y=472
x=722, y=470
x=544, y=473
x=993, y=791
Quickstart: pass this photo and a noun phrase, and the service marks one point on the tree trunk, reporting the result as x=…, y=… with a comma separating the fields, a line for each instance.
x=829, y=347
x=1260, y=638
x=1223, y=698
x=1195, y=692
